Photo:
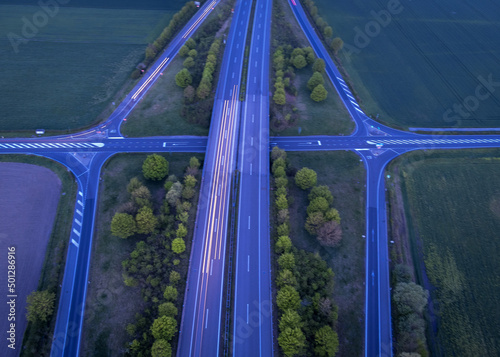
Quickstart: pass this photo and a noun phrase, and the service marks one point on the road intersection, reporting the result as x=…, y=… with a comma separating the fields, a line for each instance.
x=85, y=153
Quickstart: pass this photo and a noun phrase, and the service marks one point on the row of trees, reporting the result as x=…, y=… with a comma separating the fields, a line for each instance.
x=154, y=265
x=326, y=30
x=307, y=316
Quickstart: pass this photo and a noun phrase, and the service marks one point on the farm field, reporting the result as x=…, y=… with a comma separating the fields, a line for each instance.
x=417, y=67
x=345, y=176
x=74, y=65
x=452, y=204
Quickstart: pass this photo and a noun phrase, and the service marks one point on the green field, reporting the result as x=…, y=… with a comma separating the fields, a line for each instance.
x=73, y=67
x=424, y=61
x=453, y=210
x=345, y=176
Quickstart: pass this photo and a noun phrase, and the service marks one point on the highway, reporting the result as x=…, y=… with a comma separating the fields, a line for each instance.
x=201, y=329
x=244, y=126
x=252, y=309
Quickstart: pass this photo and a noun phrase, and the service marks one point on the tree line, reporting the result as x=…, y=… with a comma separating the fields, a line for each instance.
x=307, y=314
x=158, y=264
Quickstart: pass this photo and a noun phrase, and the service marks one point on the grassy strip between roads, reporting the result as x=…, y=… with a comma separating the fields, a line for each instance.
x=111, y=305
x=344, y=174
x=55, y=256
x=451, y=202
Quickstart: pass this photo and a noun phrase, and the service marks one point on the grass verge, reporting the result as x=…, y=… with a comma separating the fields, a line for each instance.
x=345, y=176
x=451, y=202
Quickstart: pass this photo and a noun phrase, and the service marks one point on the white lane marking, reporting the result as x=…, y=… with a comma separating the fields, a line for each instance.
x=251, y=141
x=258, y=37
x=2, y=146
x=99, y=145
x=220, y=189
x=235, y=59
x=80, y=193
x=164, y=144
x=351, y=97
x=211, y=267
x=248, y=222
x=78, y=222
x=222, y=160
x=254, y=97
x=255, y=79
x=248, y=309
x=256, y=50
x=239, y=33
x=253, y=117
x=75, y=243
x=206, y=320
x=319, y=143
x=237, y=45
x=359, y=110
x=251, y=169
x=80, y=203
x=225, y=134
x=216, y=225
x=255, y=63
x=78, y=211
x=356, y=104
x=233, y=74
x=259, y=26
x=248, y=263
x=76, y=232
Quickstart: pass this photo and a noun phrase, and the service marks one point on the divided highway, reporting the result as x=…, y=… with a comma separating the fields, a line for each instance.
x=201, y=330
x=252, y=309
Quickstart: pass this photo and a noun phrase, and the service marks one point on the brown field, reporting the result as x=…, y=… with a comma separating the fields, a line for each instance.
x=29, y=196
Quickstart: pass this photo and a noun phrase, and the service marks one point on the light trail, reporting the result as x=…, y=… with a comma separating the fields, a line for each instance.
x=134, y=97
x=207, y=10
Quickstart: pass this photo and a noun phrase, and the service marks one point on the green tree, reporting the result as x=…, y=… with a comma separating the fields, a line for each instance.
x=181, y=231
x=305, y=178
x=170, y=293
x=142, y=196
x=326, y=342
x=161, y=348
x=410, y=298
x=315, y=80
x=277, y=153
x=299, y=62
x=123, y=225
x=174, y=277
x=183, y=52
x=145, y=220
x=183, y=78
x=309, y=55
x=290, y=319
x=189, y=181
x=133, y=184
x=288, y=298
x=286, y=277
x=155, y=167
x=321, y=191
x=194, y=163
x=190, y=43
x=281, y=202
x=193, y=53
x=319, y=65
x=279, y=97
x=188, y=62
x=167, y=309
x=178, y=245
x=319, y=204
x=314, y=221
x=164, y=327
x=279, y=162
x=319, y=93
x=286, y=261
x=281, y=182
x=187, y=193
x=328, y=32
x=337, y=44
x=330, y=234
x=279, y=172
x=332, y=215
x=40, y=306
x=174, y=193
x=283, y=244
x=292, y=341
x=189, y=93
x=203, y=89
x=283, y=229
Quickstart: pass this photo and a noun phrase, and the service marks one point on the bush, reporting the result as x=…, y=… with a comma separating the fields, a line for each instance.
x=305, y=178
x=183, y=78
x=170, y=293
x=123, y=225
x=155, y=167
x=319, y=93
x=321, y=191
x=315, y=80
x=178, y=245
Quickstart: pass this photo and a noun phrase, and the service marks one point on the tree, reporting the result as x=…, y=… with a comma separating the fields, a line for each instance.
x=299, y=62
x=189, y=93
x=319, y=93
x=133, y=184
x=178, y=245
x=305, y=178
x=279, y=97
x=188, y=62
x=283, y=245
x=174, y=193
x=142, y=196
x=309, y=55
x=190, y=43
x=187, y=193
x=181, y=231
x=183, y=52
x=291, y=341
x=332, y=215
x=314, y=221
x=170, y=293
x=280, y=172
x=315, y=80
x=286, y=261
x=161, y=348
x=193, y=53
x=164, y=327
x=328, y=32
x=167, y=309
x=183, y=78
x=286, y=277
x=283, y=216
x=290, y=319
x=145, y=220
x=123, y=225
x=321, y=191
x=155, y=167
x=337, y=44
x=319, y=65
x=174, y=277
x=319, y=204
x=40, y=306
x=277, y=153
x=288, y=298
x=189, y=181
x=279, y=162
x=194, y=163
x=330, y=234
x=281, y=182
x=281, y=202
x=326, y=342
x=410, y=298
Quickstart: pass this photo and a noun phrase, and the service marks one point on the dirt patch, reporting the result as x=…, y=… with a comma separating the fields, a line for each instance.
x=29, y=196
